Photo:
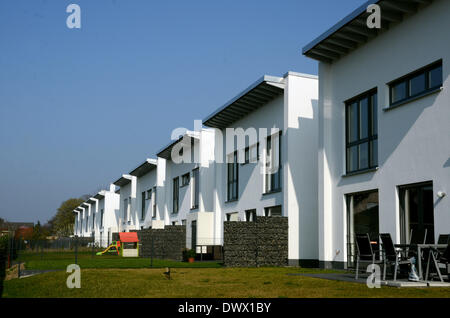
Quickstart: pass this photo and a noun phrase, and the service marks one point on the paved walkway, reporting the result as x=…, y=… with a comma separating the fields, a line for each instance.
x=350, y=277
x=32, y=272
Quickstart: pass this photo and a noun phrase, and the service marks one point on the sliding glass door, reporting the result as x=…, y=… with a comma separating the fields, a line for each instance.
x=362, y=218
x=417, y=213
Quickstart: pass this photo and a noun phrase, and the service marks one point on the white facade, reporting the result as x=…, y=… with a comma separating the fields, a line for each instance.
x=413, y=139
x=194, y=168
x=292, y=111
x=136, y=211
x=98, y=216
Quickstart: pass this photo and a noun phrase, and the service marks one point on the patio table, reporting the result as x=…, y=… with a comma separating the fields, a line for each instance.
x=426, y=246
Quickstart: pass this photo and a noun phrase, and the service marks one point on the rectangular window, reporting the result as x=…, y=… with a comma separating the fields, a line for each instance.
x=416, y=84
x=101, y=218
x=233, y=217
x=129, y=210
x=143, y=199
x=361, y=132
x=250, y=215
x=273, y=163
x=149, y=194
x=154, y=202
x=185, y=178
x=176, y=193
x=195, y=188
x=251, y=154
x=93, y=220
x=274, y=211
x=125, y=210
x=183, y=222
x=232, y=177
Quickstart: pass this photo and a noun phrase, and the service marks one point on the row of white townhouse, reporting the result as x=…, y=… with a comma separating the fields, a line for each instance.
x=365, y=149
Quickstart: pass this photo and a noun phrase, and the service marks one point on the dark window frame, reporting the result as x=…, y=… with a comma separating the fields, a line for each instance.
x=154, y=202
x=371, y=136
x=185, y=179
x=270, y=178
x=247, y=153
x=407, y=80
x=250, y=212
x=143, y=199
x=233, y=179
x=268, y=210
x=175, y=195
x=196, y=188
x=102, y=213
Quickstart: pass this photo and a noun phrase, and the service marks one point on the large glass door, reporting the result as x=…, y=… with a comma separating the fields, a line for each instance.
x=417, y=213
x=362, y=218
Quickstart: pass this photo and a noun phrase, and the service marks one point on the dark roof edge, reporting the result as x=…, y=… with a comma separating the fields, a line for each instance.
x=262, y=79
x=360, y=10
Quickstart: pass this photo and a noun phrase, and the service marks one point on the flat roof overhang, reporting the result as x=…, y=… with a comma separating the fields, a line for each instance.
x=122, y=181
x=256, y=95
x=166, y=152
x=100, y=195
x=91, y=200
x=144, y=168
x=352, y=31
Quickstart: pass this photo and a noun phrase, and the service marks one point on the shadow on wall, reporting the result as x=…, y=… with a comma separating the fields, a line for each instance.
x=306, y=160
x=447, y=163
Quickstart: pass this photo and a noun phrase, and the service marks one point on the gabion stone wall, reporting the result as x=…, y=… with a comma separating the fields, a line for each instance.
x=253, y=244
x=167, y=243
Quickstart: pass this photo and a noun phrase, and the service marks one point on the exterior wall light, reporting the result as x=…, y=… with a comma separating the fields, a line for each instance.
x=441, y=194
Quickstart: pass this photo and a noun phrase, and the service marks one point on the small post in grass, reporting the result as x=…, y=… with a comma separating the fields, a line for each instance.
x=76, y=249
x=93, y=240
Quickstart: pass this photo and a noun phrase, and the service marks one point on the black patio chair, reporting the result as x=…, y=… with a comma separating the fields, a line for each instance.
x=443, y=239
x=439, y=257
x=391, y=255
x=364, y=251
x=414, y=239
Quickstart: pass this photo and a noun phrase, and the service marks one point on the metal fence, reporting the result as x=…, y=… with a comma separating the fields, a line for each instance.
x=34, y=256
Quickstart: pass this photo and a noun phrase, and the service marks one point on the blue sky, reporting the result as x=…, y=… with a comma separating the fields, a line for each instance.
x=78, y=108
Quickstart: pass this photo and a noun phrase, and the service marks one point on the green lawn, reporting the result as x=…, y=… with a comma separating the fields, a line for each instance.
x=202, y=282
x=60, y=260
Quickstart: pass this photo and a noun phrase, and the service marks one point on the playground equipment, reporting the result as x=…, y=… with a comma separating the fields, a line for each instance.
x=113, y=248
x=126, y=246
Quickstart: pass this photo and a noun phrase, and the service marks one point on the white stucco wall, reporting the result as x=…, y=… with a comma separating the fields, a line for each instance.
x=413, y=139
x=295, y=114
x=145, y=183
x=204, y=147
x=251, y=180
